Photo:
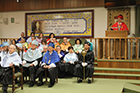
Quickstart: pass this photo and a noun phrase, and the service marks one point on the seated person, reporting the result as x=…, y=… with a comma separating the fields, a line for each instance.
x=12, y=58
x=19, y=49
x=91, y=46
x=89, y=68
x=65, y=45
x=78, y=47
x=22, y=36
x=31, y=61
x=45, y=49
x=23, y=42
x=49, y=62
x=24, y=49
x=4, y=51
x=50, y=39
x=55, y=43
x=43, y=43
x=40, y=38
x=67, y=66
x=30, y=38
x=61, y=56
x=13, y=42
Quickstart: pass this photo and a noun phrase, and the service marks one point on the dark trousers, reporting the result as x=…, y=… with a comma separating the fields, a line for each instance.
x=78, y=71
x=51, y=72
x=66, y=69
x=30, y=71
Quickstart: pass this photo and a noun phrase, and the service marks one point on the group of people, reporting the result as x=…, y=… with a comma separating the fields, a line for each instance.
x=38, y=56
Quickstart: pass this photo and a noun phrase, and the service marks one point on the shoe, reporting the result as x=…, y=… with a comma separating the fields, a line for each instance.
x=40, y=84
x=50, y=85
x=31, y=84
x=4, y=91
x=79, y=81
x=89, y=81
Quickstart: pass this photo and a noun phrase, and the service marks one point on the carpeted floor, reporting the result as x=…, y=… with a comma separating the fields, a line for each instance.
x=69, y=85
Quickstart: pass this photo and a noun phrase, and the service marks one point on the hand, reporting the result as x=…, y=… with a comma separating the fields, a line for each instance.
x=44, y=66
x=77, y=52
x=23, y=64
x=11, y=64
x=64, y=61
x=31, y=64
x=48, y=66
x=71, y=62
x=84, y=64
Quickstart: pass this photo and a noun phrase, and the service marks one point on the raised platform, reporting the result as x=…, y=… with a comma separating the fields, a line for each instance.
x=118, y=69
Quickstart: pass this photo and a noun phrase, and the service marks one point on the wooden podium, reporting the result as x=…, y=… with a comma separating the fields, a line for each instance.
x=120, y=33
x=114, y=47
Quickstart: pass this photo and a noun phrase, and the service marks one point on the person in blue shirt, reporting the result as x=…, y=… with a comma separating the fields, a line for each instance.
x=22, y=36
x=48, y=62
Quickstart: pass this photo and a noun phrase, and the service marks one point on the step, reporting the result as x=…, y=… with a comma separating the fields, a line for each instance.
x=117, y=69
x=95, y=63
x=116, y=60
x=116, y=74
x=131, y=88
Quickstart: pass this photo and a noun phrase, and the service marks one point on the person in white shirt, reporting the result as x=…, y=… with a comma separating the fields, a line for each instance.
x=9, y=60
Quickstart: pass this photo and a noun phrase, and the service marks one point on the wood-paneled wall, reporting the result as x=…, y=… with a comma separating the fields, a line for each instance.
x=13, y=5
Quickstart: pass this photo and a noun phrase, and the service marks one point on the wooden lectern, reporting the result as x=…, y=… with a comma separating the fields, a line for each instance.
x=120, y=33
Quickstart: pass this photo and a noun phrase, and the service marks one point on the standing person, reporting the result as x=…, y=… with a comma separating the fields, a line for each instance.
x=30, y=38
x=22, y=36
x=65, y=45
x=31, y=61
x=49, y=62
x=40, y=38
x=50, y=39
x=78, y=47
x=119, y=25
x=89, y=68
x=11, y=59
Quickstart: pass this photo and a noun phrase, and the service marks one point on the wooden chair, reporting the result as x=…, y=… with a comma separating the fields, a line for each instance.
x=15, y=76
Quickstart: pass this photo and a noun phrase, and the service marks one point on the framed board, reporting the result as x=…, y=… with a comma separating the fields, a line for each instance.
x=63, y=24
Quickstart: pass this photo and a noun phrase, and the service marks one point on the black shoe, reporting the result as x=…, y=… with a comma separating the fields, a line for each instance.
x=89, y=81
x=4, y=91
x=40, y=84
x=50, y=85
x=79, y=81
x=31, y=84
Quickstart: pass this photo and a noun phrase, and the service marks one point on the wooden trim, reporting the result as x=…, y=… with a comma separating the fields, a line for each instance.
x=131, y=49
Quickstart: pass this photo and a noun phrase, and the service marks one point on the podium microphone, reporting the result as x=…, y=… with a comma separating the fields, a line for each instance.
x=109, y=26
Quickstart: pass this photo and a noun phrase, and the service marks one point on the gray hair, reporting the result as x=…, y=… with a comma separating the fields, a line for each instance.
x=45, y=46
x=13, y=46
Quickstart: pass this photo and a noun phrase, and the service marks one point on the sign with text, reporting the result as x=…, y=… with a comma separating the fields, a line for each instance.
x=66, y=24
